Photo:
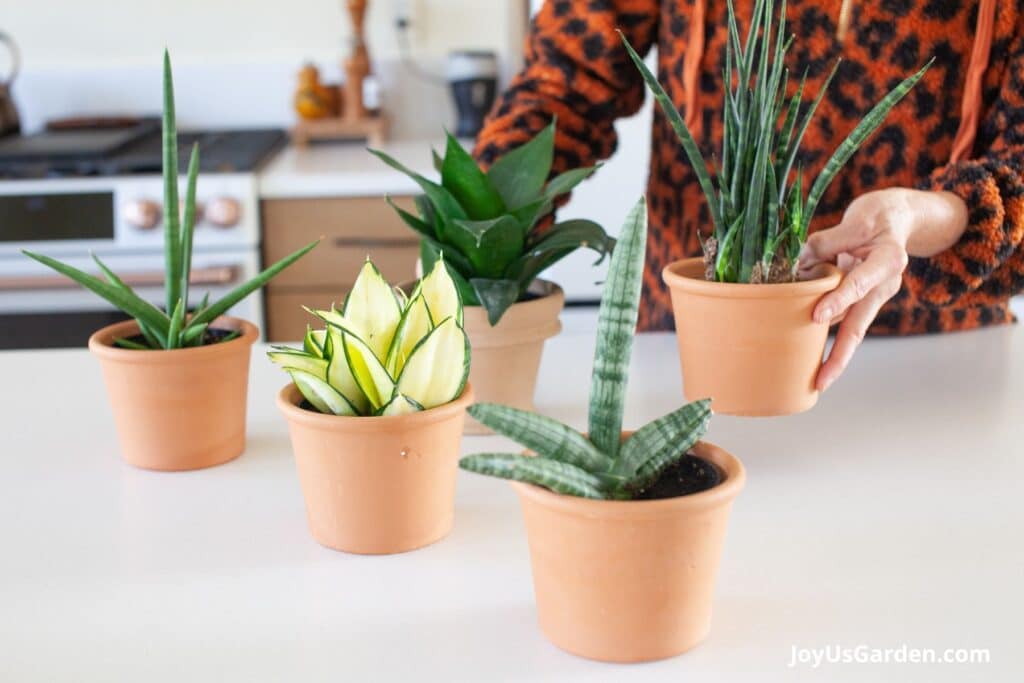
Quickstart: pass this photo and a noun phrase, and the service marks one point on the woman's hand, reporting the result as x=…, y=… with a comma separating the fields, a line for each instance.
x=879, y=232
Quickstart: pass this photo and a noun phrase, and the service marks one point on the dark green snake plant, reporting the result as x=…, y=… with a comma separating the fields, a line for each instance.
x=760, y=218
x=600, y=465
x=178, y=325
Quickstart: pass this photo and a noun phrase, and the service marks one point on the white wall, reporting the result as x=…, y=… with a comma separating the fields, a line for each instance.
x=235, y=60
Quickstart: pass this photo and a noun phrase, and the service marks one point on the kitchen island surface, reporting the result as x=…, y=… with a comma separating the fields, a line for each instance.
x=889, y=516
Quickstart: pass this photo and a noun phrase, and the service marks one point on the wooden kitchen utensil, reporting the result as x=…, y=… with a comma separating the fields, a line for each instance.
x=355, y=121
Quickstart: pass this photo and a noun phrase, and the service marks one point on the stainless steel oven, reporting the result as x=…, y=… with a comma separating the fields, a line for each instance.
x=118, y=219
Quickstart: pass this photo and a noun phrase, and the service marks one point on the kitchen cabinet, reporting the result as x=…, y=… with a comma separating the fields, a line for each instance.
x=350, y=229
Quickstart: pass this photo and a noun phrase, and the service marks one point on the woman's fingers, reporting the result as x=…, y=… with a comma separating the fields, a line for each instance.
x=826, y=245
x=850, y=335
x=885, y=263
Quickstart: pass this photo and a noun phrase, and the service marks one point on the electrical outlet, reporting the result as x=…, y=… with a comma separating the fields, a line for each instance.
x=403, y=12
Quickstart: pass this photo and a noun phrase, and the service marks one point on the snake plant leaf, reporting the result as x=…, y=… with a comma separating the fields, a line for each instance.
x=528, y=267
x=174, y=328
x=470, y=186
x=430, y=255
x=314, y=341
x=129, y=344
x=188, y=224
x=682, y=132
x=440, y=294
x=496, y=296
x=172, y=227
x=574, y=234
x=120, y=296
x=339, y=372
x=557, y=476
x=414, y=326
x=193, y=334
x=222, y=306
x=657, y=444
x=438, y=366
x=489, y=245
x=543, y=435
x=519, y=176
x=425, y=229
x=367, y=370
x=868, y=125
x=443, y=200
x=320, y=394
x=400, y=405
x=565, y=182
x=616, y=327
x=373, y=309
x=436, y=158
x=290, y=359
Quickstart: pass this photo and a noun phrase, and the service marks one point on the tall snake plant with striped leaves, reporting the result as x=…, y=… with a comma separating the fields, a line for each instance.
x=175, y=327
x=602, y=465
x=756, y=197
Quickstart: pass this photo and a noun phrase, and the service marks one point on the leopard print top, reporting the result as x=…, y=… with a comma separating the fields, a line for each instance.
x=577, y=69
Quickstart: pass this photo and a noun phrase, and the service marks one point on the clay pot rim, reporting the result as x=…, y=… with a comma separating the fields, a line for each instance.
x=289, y=398
x=547, y=289
x=688, y=274
x=101, y=343
x=735, y=478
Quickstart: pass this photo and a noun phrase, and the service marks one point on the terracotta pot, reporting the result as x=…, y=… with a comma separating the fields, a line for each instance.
x=377, y=485
x=628, y=581
x=506, y=357
x=181, y=409
x=753, y=349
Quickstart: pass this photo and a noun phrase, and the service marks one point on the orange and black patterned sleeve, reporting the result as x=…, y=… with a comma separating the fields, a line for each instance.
x=576, y=69
x=987, y=265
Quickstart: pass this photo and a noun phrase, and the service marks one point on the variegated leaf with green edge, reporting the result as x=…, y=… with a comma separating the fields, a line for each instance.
x=520, y=174
x=373, y=310
x=436, y=370
x=616, y=328
x=368, y=371
x=400, y=405
x=321, y=395
x=468, y=184
x=413, y=327
x=314, y=341
x=291, y=359
x=430, y=254
x=339, y=372
x=543, y=435
x=440, y=294
x=659, y=443
x=560, y=477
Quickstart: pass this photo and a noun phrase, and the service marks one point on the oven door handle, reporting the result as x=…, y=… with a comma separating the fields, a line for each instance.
x=214, y=275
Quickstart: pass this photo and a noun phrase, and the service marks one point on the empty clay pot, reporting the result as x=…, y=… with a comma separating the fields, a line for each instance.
x=181, y=409
x=506, y=357
x=754, y=350
x=628, y=581
x=377, y=485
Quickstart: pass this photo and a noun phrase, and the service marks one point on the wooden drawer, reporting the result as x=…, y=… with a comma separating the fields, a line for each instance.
x=287, y=320
x=352, y=228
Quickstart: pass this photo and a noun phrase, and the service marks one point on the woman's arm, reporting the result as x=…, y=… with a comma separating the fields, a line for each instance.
x=576, y=69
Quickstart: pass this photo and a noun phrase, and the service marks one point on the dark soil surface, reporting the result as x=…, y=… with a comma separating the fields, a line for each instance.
x=209, y=337
x=690, y=474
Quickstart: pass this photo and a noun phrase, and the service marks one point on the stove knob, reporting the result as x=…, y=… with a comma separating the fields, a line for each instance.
x=142, y=214
x=223, y=212
x=200, y=208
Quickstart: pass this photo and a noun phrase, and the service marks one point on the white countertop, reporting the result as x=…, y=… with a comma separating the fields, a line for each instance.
x=891, y=514
x=344, y=169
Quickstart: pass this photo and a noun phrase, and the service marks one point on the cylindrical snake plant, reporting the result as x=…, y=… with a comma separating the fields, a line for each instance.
x=759, y=213
x=600, y=465
x=178, y=325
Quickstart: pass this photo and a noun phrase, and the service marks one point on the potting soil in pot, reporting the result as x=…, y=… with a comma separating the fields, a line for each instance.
x=691, y=474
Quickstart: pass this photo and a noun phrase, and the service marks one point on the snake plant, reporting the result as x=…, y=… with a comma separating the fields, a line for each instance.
x=384, y=353
x=756, y=199
x=178, y=325
x=600, y=465
x=485, y=224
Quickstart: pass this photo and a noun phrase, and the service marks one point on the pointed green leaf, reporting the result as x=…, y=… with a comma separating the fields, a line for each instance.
x=438, y=366
x=474, y=191
x=413, y=327
x=447, y=206
x=373, y=309
x=172, y=235
x=496, y=296
x=520, y=174
x=320, y=394
x=574, y=234
x=189, y=222
x=557, y=476
x=491, y=246
x=616, y=328
x=658, y=444
x=543, y=435
x=565, y=182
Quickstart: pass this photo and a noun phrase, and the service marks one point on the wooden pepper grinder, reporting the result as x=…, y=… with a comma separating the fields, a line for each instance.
x=357, y=66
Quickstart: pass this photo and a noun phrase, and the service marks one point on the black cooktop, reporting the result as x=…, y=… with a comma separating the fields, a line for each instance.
x=131, y=151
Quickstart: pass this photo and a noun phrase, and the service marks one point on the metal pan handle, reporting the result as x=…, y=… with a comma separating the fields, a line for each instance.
x=215, y=275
